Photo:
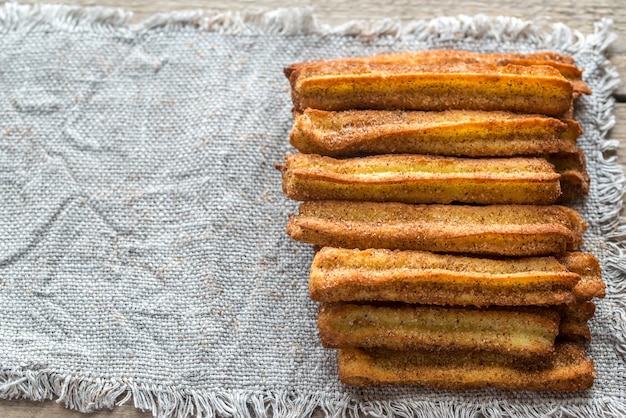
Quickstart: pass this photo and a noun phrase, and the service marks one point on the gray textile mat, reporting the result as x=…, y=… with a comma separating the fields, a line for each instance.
x=143, y=250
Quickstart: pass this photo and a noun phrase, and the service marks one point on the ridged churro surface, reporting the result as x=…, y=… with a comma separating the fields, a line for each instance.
x=431, y=184
x=572, y=166
x=340, y=85
x=421, y=179
x=452, y=133
x=580, y=311
x=587, y=266
x=408, y=327
x=508, y=230
x=347, y=275
x=564, y=64
x=574, y=330
x=575, y=319
x=568, y=369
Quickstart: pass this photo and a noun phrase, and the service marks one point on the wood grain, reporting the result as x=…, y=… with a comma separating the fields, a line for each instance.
x=578, y=14
x=47, y=409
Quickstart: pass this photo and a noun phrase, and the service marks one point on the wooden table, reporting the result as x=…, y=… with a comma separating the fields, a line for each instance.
x=578, y=14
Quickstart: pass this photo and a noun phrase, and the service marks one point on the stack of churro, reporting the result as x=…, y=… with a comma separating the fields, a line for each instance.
x=433, y=186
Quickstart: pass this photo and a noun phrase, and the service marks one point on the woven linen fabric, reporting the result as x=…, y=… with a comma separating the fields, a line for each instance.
x=143, y=254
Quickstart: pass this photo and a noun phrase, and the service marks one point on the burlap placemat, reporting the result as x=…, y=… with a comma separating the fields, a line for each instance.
x=143, y=254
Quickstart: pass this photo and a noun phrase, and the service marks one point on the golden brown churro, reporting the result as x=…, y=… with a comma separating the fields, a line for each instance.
x=574, y=331
x=345, y=275
x=454, y=157
x=408, y=327
x=574, y=320
x=587, y=266
x=578, y=311
x=572, y=167
x=340, y=85
x=459, y=133
x=567, y=370
x=421, y=179
x=563, y=63
x=508, y=230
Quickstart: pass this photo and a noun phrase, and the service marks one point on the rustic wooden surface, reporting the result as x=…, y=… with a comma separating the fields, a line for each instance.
x=578, y=14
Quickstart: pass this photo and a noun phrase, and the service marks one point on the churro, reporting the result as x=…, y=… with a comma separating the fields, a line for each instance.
x=421, y=179
x=458, y=133
x=574, y=331
x=564, y=64
x=572, y=167
x=430, y=183
x=407, y=327
x=568, y=369
x=347, y=275
x=587, y=266
x=506, y=230
x=340, y=85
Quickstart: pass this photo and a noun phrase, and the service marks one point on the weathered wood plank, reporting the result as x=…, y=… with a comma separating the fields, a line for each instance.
x=46, y=409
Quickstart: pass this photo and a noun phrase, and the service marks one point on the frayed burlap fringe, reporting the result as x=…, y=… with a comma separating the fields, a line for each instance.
x=88, y=393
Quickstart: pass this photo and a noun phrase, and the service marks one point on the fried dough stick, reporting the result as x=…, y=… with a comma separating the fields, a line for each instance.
x=344, y=275
x=578, y=311
x=453, y=133
x=587, y=266
x=421, y=179
x=574, y=331
x=565, y=64
x=568, y=369
x=336, y=85
x=572, y=167
x=406, y=327
x=574, y=320
x=507, y=230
